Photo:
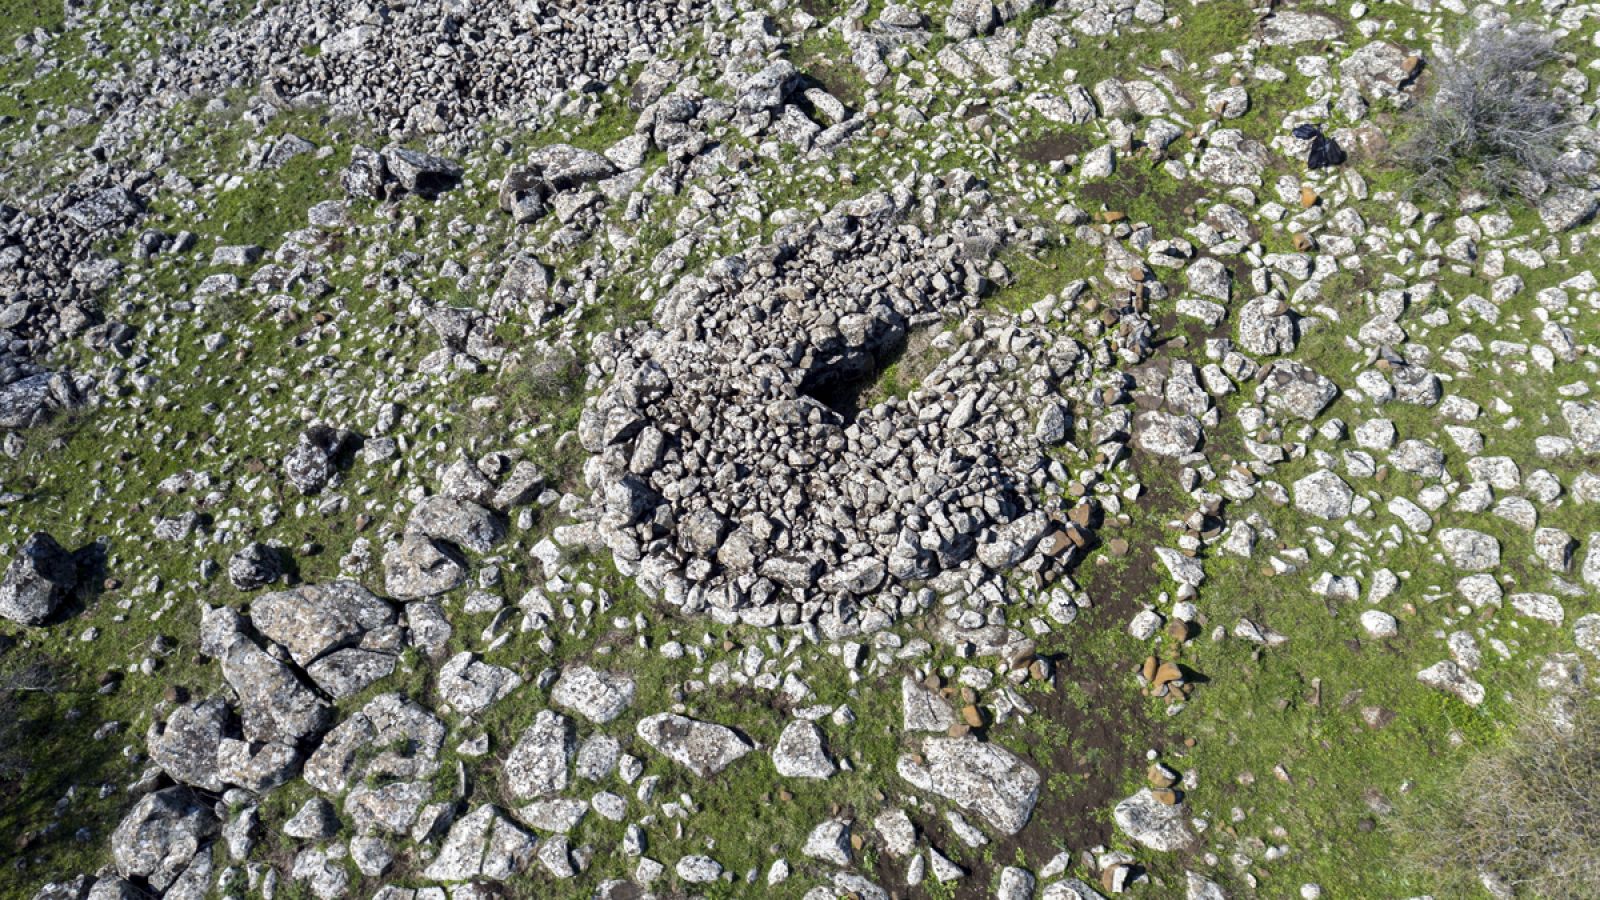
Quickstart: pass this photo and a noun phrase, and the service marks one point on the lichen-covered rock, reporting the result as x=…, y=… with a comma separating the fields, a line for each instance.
x=161, y=834
x=311, y=620
x=1165, y=434
x=274, y=704
x=407, y=738
x=596, y=695
x=470, y=685
x=1449, y=677
x=483, y=844
x=315, y=457
x=461, y=522
x=704, y=748
x=1159, y=826
x=1583, y=420
x=186, y=745
x=799, y=752
x=982, y=778
x=419, y=567
x=540, y=762
x=38, y=579
x=1323, y=494
x=1470, y=550
x=255, y=566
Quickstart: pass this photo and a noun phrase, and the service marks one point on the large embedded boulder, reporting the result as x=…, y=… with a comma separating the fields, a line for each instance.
x=405, y=736
x=313, y=619
x=986, y=779
x=597, y=696
x=704, y=748
x=185, y=745
x=161, y=834
x=37, y=581
x=1154, y=824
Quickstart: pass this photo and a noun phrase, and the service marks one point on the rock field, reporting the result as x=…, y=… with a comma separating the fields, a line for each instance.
x=715, y=448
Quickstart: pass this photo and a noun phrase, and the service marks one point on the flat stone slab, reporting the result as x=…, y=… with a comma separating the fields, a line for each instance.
x=704, y=748
x=1152, y=823
x=985, y=779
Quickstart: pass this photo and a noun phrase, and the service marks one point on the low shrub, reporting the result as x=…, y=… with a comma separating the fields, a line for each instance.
x=1521, y=818
x=1490, y=121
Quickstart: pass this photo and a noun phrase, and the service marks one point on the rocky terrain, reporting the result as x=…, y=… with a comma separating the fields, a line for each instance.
x=713, y=448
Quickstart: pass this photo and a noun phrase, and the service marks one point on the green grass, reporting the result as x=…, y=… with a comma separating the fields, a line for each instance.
x=19, y=17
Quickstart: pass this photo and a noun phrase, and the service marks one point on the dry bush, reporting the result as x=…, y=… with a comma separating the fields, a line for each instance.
x=1522, y=818
x=1491, y=121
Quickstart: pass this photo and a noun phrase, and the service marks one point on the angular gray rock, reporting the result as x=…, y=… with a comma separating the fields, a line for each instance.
x=470, y=686
x=1209, y=278
x=1449, y=677
x=461, y=522
x=312, y=462
x=310, y=620
x=829, y=842
x=1586, y=634
x=352, y=670
x=924, y=710
x=1070, y=889
x=274, y=704
x=1566, y=209
x=1165, y=434
x=1583, y=420
x=386, y=809
x=483, y=844
x=419, y=567
x=1266, y=327
x=405, y=736
x=185, y=745
x=1152, y=823
x=421, y=173
x=981, y=778
x=899, y=835
x=316, y=821
x=1323, y=494
x=38, y=579
x=1015, y=883
x=1296, y=388
x=255, y=566
x=1470, y=550
x=540, y=762
x=256, y=767
x=696, y=869
x=597, y=696
x=1199, y=887
x=566, y=167
x=799, y=752
x=1287, y=27
x=969, y=18
x=104, y=208
x=29, y=401
x=163, y=831
x=704, y=748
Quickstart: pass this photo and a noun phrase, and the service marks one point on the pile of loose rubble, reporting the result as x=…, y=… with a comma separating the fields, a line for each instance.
x=725, y=480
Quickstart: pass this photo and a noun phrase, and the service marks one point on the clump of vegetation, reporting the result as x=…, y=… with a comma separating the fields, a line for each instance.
x=1522, y=818
x=1491, y=121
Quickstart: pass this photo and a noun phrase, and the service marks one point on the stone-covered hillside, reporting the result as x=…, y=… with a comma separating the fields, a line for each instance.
x=473, y=449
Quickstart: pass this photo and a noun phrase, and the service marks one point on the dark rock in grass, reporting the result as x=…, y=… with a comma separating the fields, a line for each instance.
x=38, y=579
x=257, y=565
